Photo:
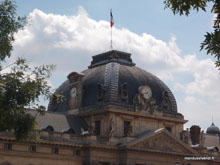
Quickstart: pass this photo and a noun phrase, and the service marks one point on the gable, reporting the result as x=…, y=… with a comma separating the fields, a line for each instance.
x=162, y=142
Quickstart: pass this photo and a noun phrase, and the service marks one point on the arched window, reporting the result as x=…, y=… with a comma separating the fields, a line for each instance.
x=49, y=128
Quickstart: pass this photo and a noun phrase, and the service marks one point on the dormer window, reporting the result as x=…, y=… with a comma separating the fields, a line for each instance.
x=69, y=130
x=49, y=129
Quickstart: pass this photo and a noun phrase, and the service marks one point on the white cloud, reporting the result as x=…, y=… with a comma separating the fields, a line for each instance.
x=70, y=41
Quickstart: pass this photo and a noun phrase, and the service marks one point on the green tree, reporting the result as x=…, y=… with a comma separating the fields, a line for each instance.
x=212, y=40
x=23, y=86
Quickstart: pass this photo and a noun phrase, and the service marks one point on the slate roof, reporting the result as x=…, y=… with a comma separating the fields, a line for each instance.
x=60, y=121
x=113, y=69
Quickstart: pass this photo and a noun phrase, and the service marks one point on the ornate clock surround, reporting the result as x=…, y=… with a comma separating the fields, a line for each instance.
x=75, y=86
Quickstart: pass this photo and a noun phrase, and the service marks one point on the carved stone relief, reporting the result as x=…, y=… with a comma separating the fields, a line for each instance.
x=161, y=142
x=185, y=136
x=144, y=101
x=91, y=128
x=111, y=128
x=74, y=97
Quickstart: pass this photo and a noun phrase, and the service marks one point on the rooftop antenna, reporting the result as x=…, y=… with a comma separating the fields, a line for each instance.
x=111, y=25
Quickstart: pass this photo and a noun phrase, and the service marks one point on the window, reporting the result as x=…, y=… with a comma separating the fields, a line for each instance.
x=97, y=127
x=8, y=146
x=169, y=129
x=49, y=129
x=55, y=150
x=77, y=152
x=32, y=148
x=127, y=128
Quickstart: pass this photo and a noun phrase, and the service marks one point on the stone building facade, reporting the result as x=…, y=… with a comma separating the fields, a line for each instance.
x=112, y=113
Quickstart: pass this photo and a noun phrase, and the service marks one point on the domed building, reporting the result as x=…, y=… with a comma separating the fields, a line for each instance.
x=112, y=113
x=113, y=79
x=214, y=130
x=114, y=85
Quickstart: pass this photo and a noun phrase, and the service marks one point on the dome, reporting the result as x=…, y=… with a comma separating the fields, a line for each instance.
x=113, y=80
x=212, y=129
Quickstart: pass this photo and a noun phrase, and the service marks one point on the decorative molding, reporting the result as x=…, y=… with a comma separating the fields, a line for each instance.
x=75, y=84
x=144, y=102
x=74, y=77
x=100, y=92
x=124, y=92
x=161, y=142
x=165, y=100
x=111, y=82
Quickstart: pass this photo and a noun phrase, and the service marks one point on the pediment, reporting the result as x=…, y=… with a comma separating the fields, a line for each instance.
x=161, y=141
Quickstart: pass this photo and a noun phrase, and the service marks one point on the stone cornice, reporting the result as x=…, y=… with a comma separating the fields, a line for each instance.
x=134, y=114
x=41, y=142
x=156, y=151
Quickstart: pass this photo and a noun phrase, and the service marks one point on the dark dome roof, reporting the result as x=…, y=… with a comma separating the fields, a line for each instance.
x=113, y=79
x=213, y=129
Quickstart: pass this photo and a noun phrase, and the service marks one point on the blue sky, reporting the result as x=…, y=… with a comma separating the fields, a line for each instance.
x=67, y=33
x=140, y=17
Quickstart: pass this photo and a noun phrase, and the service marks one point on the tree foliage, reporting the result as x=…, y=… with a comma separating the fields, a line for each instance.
x=212, y=39
x=23, y=86
x=9, y=25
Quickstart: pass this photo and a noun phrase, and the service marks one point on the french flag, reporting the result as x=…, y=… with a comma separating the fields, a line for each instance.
x=112, y=20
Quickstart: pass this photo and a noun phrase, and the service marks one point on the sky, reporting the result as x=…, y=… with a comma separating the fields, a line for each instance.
x=68, y=33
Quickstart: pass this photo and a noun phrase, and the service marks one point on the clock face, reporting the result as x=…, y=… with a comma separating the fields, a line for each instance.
x=73, y=92
x=146, y=92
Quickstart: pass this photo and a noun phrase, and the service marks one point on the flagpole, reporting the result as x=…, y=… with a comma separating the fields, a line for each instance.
x=111, y=39
x=111, y=25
